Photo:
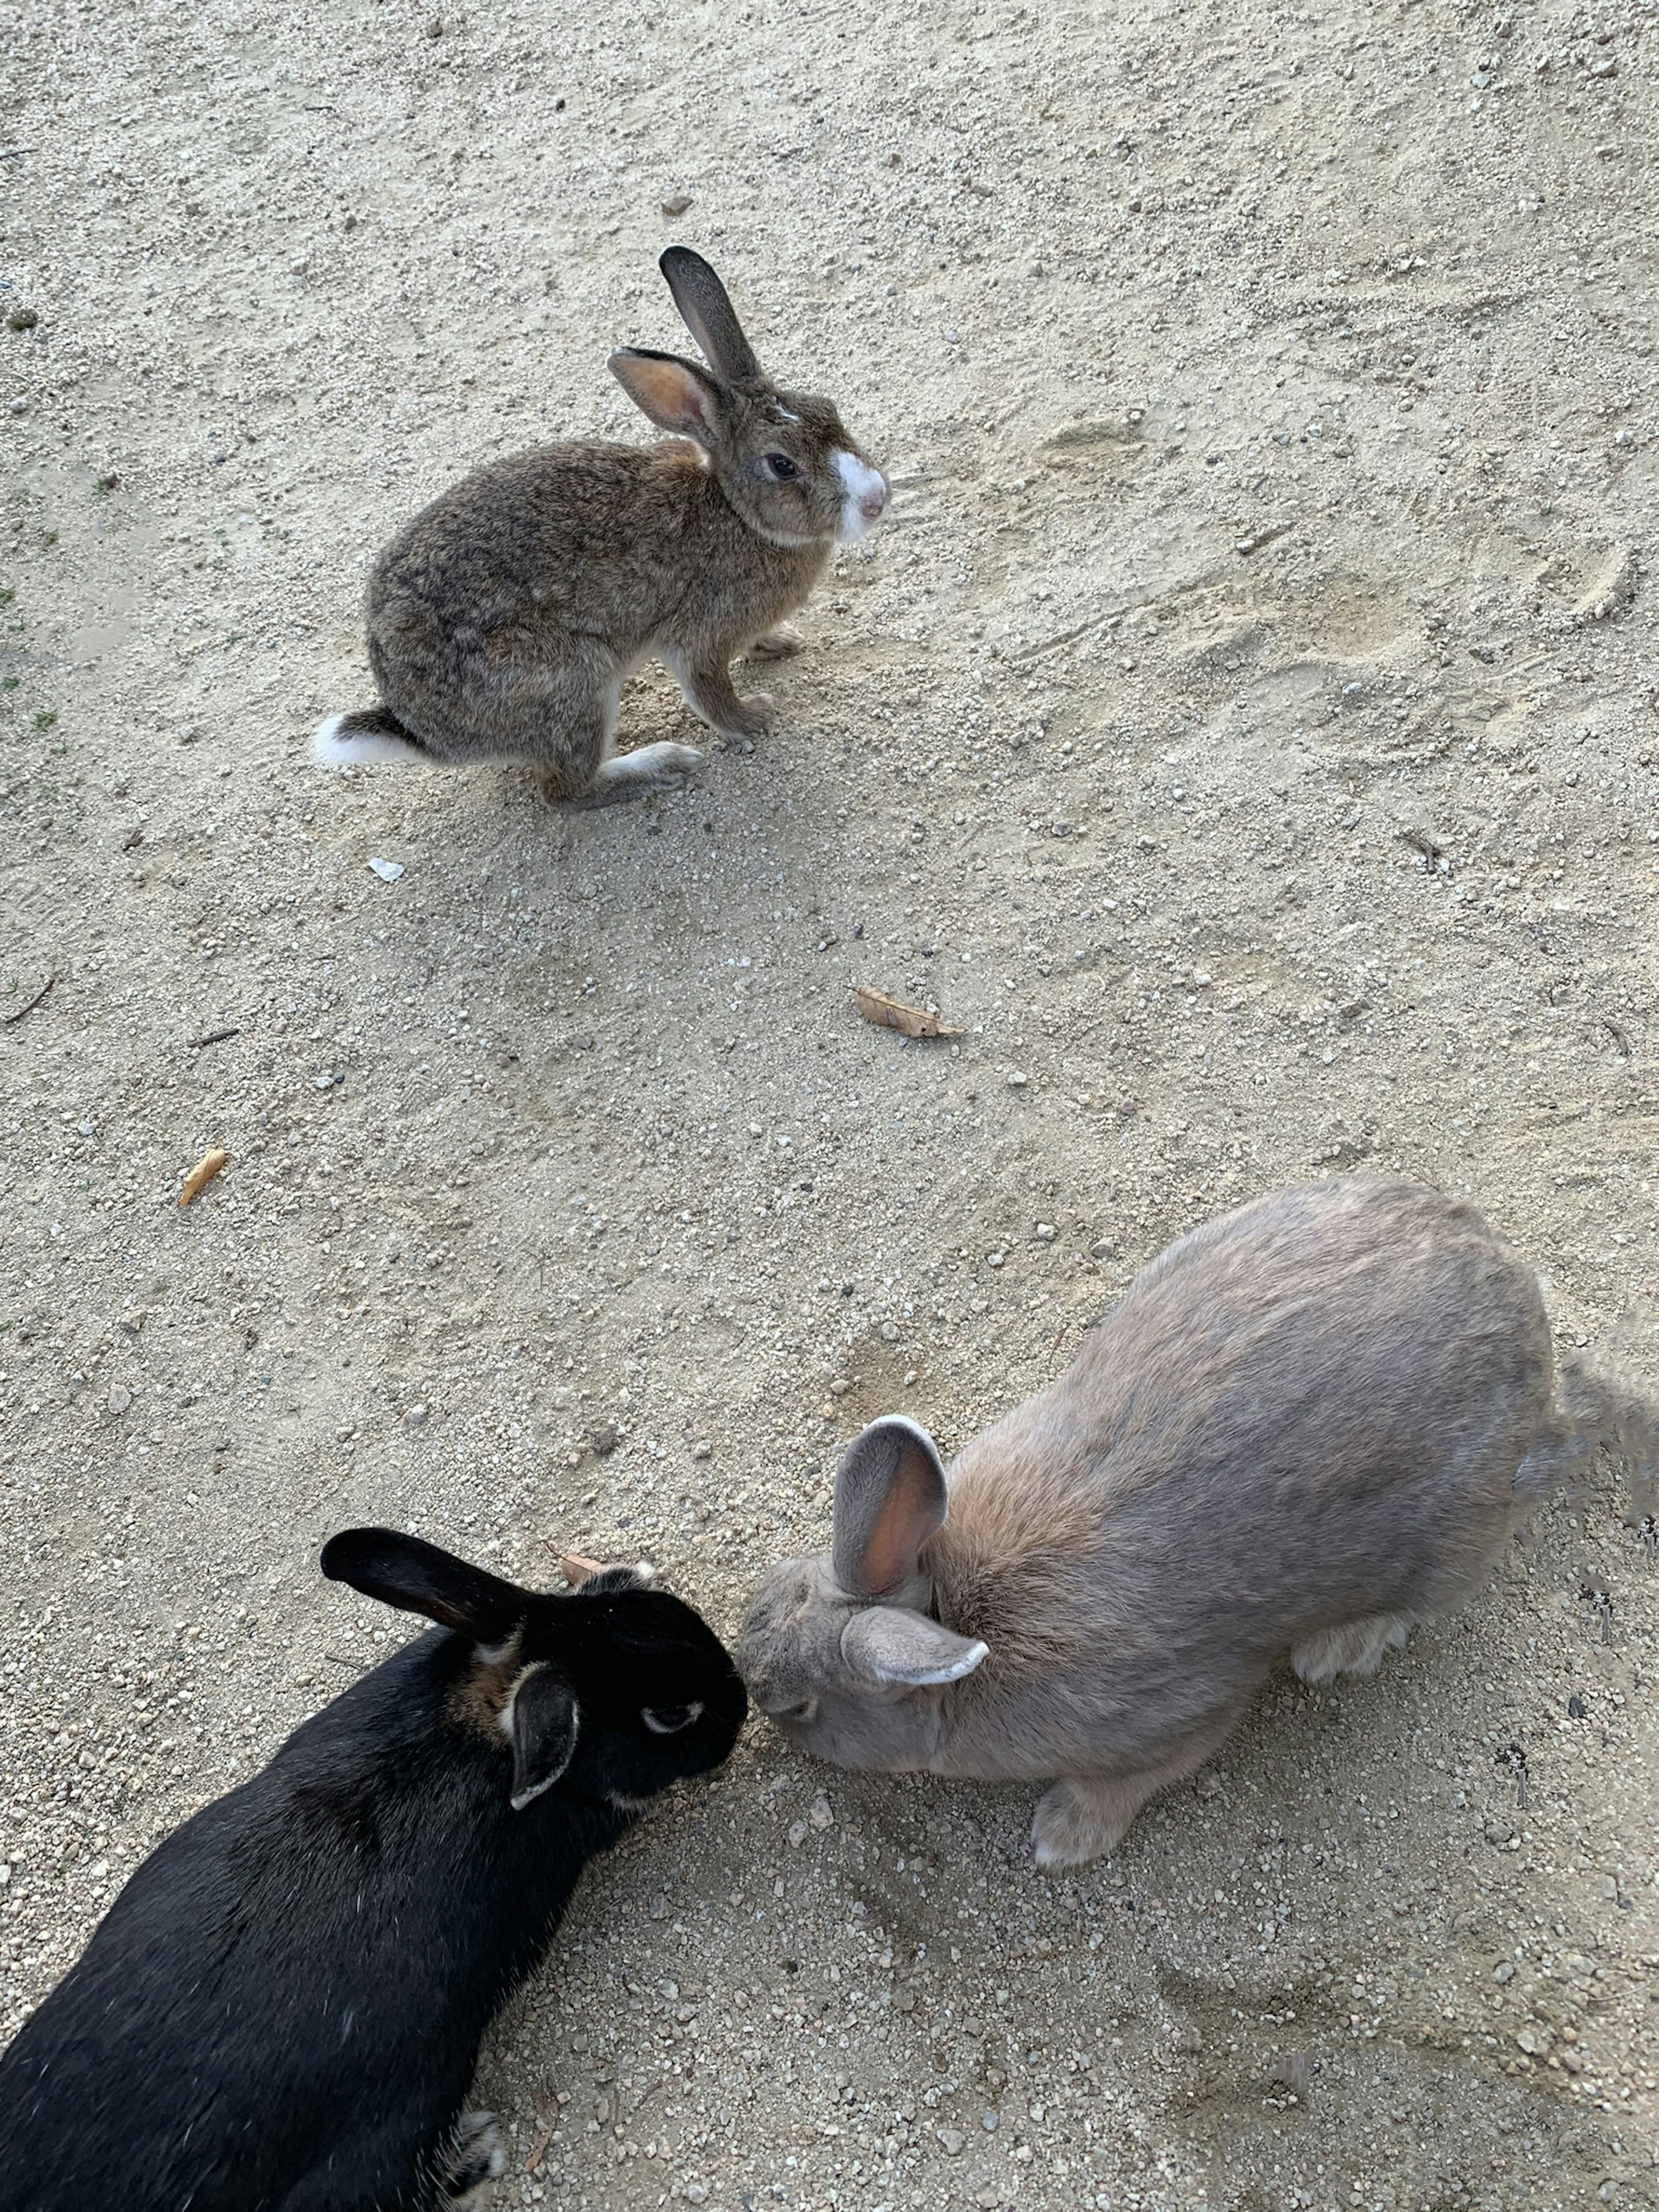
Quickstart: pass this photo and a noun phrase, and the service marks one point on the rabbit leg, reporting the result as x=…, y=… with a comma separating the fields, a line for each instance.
x=1358, y=1647
x=476, y=2155
x=1085, y=1815
x=777, y=644
x=636, y=774
x=706, y=685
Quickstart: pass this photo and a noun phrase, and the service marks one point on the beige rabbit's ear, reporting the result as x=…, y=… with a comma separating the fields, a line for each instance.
x=676, y=394
x=890, y=1498
x=892, y=1645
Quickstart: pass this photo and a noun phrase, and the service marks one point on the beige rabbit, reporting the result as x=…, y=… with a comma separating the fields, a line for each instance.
x=504, y=620
x=1305, y=1426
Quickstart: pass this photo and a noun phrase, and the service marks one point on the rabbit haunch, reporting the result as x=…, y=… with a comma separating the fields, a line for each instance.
x=505, y=619
x=284, y=2005
x=1305, y=1426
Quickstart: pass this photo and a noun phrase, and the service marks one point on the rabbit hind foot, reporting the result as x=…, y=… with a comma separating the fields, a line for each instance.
x=636, y=775
x=1358, y=1647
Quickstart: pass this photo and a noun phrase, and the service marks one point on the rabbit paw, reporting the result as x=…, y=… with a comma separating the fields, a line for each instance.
x=1358, y=1647
x=755, y=717
x=477, y=2155
x=1077, y=1822
x=777, y=644
x=636, y=774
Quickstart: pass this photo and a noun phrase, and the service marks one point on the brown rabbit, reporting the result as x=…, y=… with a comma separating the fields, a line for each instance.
x=1305, y=1426
x=504, y=620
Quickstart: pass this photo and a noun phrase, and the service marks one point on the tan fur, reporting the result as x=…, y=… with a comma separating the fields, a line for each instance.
x=482, y=1694
x=1304, y=1426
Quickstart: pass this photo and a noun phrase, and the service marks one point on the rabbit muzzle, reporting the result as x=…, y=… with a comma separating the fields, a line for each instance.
x=864, y=497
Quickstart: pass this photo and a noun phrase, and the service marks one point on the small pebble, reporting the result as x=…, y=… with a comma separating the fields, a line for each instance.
x=676, y=204
x=21, y=319
x=119, y=1398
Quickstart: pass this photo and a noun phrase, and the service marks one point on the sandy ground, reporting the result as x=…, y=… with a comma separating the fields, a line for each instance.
x=1244, y=728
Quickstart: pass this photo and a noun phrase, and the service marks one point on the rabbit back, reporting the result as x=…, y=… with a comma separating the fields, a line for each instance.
x=292, y=1989
x=504, y=617
x=1305, y=1414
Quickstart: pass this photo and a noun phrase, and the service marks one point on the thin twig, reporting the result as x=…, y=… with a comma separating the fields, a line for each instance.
x=213, y=1036
x=32, y=1003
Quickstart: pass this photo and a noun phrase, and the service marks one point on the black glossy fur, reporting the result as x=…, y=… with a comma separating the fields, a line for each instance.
x=281, y=2011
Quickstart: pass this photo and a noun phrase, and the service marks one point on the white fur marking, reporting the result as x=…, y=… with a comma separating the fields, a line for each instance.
x=330, y=749
x=864, y=487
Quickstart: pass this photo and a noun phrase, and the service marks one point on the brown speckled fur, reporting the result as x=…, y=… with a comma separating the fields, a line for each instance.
x=504, y=619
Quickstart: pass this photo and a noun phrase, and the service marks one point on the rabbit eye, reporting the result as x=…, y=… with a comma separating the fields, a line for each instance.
x=782, y=467
x=669, y=1720
x=806, y=1712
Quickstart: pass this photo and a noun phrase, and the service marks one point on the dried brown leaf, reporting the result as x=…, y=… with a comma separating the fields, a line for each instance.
x=893, y=1014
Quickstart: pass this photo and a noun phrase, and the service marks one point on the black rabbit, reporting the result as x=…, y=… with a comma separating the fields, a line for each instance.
x=283, y=2009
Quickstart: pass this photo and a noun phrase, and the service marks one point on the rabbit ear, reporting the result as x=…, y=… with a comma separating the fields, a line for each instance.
x=418, y=1578
x=545, y=1721
x=676, y=394
x=708, y=315
x=890, y=1497
x=891, y=1644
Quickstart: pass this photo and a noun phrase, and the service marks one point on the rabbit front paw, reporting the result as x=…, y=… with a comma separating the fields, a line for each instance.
x=1077, y=1822
x=753, y=717
x=779, y=643
x=477, y=2155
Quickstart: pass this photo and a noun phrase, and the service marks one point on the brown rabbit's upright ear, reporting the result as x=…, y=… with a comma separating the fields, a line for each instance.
x=890, y=1497
x=676, y=394
x=418, y=1578
x=709, y=316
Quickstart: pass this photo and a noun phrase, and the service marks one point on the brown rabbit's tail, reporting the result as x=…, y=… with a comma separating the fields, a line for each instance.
x=1595, y=1410
x=372, y=733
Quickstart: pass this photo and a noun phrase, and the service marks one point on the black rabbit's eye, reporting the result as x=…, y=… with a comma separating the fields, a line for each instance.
x=782, y=467
x=669, y=1720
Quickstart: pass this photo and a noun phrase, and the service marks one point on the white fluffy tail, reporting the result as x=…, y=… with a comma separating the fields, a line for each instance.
x=360, y=740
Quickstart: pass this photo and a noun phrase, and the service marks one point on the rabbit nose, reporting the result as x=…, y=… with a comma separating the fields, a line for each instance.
x=872, y=501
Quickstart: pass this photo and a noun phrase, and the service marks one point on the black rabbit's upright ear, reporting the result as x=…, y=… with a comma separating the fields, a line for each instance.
x=709, y=316
x=545, y=1720
x=676, y=394
x=402, y=1570
x=890, y=1498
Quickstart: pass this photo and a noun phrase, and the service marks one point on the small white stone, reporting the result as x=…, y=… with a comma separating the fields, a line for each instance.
x=387, y=871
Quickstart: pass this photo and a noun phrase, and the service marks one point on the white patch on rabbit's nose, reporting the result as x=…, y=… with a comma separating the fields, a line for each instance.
x=864, y=491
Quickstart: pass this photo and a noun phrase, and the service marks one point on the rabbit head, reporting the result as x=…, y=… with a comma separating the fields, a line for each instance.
x=783, y=459
x=840, y=1652
x=613, y=1690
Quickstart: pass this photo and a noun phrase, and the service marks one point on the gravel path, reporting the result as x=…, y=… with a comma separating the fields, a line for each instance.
x=1243, y=728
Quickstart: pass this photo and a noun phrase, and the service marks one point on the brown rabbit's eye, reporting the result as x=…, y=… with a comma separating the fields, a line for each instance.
x=782, y=467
